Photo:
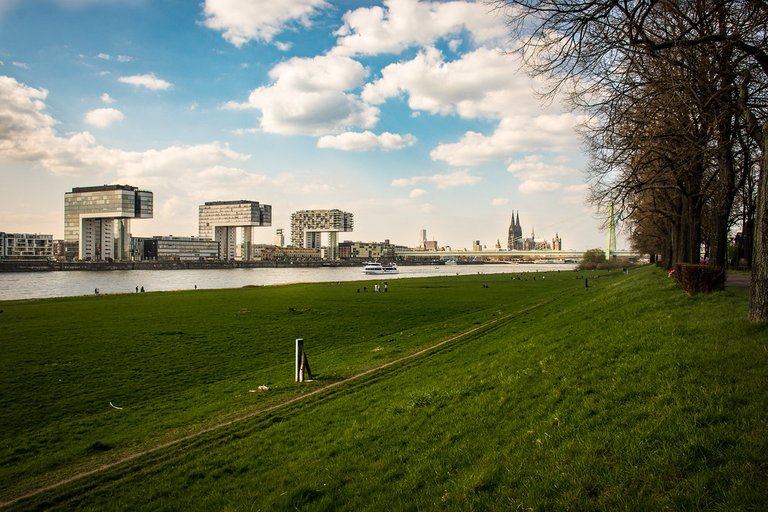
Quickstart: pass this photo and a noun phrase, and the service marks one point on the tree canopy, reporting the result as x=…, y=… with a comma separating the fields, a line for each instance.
x=677, y=93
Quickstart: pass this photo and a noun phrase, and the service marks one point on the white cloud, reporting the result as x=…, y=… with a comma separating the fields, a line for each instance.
x=404, y=23
x=149, y=80
x=538, y=175
x=484, y=83
x=441, y=181
x=74, y=4
x=364, y=141
x=245, y=131
x=27, y=133
x=103, y=117
x=315, y=188
x=106, y=98
x=534, y=167
x=581, y=188
x=535, y=187
x=416, y=193
x=118, y=58
x=427, y=208
x=283, y=47
x=513, y=135
x=500, y=201
x=20, y=65
x=242, y=21
x=309, y=96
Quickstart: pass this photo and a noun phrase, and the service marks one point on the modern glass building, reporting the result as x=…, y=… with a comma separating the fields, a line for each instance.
x=174, y=248
x=97, y=220
x=307, y=226
x=220, y=221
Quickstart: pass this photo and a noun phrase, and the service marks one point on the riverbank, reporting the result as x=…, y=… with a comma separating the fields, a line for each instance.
x=50, y=266
x=537, y=392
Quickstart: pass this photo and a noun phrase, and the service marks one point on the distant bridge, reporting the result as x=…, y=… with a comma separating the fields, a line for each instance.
x=506, y=255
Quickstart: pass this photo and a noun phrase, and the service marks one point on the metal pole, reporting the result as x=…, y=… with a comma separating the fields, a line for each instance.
x=299, y=351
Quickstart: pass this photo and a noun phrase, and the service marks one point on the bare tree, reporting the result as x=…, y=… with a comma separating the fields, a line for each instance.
x=602, y=46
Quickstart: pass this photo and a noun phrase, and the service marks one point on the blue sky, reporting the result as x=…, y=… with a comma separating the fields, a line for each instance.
x=410, y=114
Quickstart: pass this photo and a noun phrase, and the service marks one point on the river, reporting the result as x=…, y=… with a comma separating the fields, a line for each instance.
x=38, y=285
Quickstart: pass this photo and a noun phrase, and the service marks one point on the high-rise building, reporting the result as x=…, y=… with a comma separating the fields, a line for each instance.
x=279, y=237
x=220, y=220
x=307, y=226
x=97, y=220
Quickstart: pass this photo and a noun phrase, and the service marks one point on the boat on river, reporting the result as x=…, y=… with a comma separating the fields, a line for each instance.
x=377, y=268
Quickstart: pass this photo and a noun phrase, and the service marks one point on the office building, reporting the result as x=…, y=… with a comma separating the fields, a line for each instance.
x=307, y=226
x=97, y=220
x=265, y=252
x=349, y=250
x=174, y=248
x=279, y=237
x=221, y=220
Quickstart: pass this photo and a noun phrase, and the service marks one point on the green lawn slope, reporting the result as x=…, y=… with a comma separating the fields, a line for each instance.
x=538, y=393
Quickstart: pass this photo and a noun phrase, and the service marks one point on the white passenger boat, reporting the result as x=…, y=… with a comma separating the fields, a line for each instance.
x=376, y=268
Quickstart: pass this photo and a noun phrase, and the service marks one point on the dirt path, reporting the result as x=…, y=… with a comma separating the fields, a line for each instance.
x=133, y=456
x=737, y=280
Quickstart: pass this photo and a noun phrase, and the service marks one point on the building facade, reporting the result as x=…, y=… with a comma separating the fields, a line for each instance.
x=349, y=250
x=307, y=226
x=279, y=237
x=173, y=248
x=97, y=220
x=221, y=220
x=515, y=235
x=26, y=246
x=275, y=253
x=557, y=243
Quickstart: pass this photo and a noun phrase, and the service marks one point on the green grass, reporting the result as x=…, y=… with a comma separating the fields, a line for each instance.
x=627, y=395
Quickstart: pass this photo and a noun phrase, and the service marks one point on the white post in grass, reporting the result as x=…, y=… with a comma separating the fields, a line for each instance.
x=299, y=351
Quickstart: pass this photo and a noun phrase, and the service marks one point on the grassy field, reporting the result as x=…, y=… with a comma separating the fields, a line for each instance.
x=543, y=394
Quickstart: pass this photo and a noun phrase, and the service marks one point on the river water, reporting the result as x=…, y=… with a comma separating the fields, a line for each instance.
x=37, y=285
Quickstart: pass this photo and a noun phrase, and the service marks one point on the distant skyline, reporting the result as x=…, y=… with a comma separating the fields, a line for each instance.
x=409, y=114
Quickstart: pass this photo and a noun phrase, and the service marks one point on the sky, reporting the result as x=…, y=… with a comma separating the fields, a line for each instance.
x=410, y=114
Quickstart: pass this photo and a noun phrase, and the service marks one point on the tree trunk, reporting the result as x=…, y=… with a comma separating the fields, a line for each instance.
x=688, y=233
x=758, y=295
x=724, y=194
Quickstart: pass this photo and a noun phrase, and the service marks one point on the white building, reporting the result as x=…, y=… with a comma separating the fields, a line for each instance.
x=221, y=220
x=307, y=227
x=97, y=220
x=26, y=246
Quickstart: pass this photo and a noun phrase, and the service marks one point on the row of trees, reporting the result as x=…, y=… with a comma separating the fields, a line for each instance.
x=677, y=92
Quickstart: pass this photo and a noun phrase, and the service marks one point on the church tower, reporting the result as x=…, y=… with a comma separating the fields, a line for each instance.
x=511, y=234
x=515, y=237
x=557, y=243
